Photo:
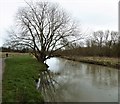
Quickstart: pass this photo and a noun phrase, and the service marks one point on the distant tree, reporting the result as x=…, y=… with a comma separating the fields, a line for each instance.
x=103, y=43
x=98, y=38
x=88, y=43
x=114, y=37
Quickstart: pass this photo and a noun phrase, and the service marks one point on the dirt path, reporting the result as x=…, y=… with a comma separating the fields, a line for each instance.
x=0, y=66
x=1, y=72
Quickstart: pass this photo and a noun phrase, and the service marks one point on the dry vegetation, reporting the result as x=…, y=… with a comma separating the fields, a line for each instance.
x=106, y=61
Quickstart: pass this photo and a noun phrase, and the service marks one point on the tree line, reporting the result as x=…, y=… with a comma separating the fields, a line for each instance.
x=10, y=49
x=99, y=43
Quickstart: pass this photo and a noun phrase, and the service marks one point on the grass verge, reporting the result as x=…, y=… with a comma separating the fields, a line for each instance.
x=18, y=79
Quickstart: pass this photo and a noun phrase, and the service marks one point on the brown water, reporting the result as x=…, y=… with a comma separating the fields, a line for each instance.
x=81, y=82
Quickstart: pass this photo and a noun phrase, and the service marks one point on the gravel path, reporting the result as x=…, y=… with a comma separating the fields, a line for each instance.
x=1, y=72
x=0, y=66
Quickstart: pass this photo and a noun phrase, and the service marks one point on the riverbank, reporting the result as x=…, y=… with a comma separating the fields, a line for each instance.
x=19, y=79
x=105, y=61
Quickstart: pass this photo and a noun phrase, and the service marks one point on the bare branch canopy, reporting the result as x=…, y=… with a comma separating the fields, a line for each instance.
x=42, y=26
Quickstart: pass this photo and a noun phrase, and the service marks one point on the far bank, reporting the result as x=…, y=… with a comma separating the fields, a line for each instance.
x=104, y=61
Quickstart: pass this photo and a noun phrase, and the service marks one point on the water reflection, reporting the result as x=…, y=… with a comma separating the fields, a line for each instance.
x=46, y=84
x=102, y=76
x=80, y=82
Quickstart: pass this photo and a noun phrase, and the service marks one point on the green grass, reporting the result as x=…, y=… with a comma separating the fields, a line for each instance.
x=18, y=79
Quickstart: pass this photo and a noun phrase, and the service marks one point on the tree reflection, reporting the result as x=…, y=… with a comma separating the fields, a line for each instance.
x=102, y=76
x=47, y=85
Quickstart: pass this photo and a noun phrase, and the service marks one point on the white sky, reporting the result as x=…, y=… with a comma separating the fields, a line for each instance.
x=92, y=15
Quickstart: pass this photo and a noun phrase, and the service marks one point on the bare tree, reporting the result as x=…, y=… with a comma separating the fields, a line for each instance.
x=114, y=37
x=101, y=38
x=42, y=26
x=98, y=38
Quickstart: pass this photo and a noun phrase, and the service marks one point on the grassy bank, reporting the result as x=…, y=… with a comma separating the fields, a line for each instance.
x=18, y=79
x=105, y=61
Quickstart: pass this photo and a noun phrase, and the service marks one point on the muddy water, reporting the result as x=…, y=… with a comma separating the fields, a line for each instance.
x=81, y=82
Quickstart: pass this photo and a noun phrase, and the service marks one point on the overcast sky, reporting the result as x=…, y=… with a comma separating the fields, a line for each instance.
x=92, y=15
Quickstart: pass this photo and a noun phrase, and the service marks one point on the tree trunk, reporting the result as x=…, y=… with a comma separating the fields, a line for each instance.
x=40, y=59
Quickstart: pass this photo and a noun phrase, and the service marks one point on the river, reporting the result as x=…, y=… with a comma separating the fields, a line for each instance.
x=81, y=82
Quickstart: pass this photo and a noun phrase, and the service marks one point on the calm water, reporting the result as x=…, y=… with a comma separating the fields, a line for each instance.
x=81, y=82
